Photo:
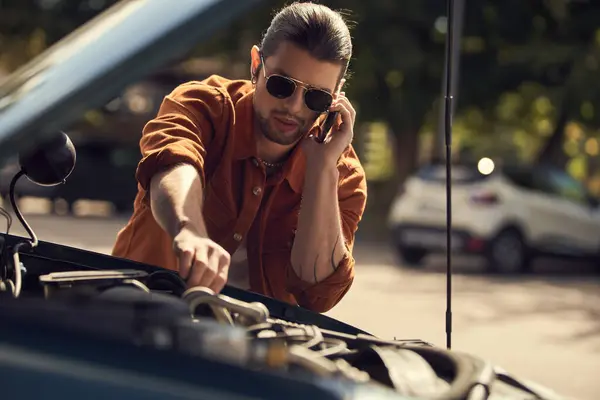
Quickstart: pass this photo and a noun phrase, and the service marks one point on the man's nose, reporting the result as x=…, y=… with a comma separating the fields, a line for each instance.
x=295, y=102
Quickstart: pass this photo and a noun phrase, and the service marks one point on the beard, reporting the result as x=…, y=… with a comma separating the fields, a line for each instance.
x=278, y=136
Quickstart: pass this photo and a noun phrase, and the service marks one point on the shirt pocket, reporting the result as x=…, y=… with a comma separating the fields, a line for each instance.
x=280, y=232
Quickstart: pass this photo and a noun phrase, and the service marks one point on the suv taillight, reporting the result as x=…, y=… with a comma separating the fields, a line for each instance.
x=485, y=198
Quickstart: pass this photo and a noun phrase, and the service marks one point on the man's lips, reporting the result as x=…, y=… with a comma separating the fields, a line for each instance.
x=286, y=123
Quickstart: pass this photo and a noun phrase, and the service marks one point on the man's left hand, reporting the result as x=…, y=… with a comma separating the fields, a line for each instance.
x=339, y=138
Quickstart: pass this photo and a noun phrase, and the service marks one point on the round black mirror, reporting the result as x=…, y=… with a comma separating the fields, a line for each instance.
x=51, y=162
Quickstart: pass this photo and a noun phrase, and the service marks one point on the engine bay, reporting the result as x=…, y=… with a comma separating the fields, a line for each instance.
x=72, y=291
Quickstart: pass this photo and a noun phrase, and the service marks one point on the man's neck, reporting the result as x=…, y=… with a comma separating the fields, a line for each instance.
x=269, y=151
x=272, y=152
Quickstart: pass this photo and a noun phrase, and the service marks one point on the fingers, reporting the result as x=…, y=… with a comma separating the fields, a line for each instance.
x=345, y=115
x=210, y=271
x=219, y=282
x=186, y=259
x=210, y=268
x=342, y=99
x=346, y=121
x=201, y=261
x=199, y=266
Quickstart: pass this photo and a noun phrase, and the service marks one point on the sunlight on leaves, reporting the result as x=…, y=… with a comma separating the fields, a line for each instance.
x=539, y=23
x=522, y=141
x=474, y=116
x=473, y=44
x=378, y=154
x=558, y=8
x=509, y=105
x=529, y=89
x=571, y=148
x=490, y=14
x=587, y=110
x=544, y=127
x=594, y=185
x=94, y=117
x=592, y=147
x=591, y=62
x=577, y=167
x=574, y=131
x=542, y=106
x=394, y=79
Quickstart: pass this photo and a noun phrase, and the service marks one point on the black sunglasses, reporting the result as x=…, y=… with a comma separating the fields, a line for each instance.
x=282, y=87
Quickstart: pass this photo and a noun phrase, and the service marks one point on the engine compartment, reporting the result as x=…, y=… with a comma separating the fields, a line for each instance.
x=99, y=298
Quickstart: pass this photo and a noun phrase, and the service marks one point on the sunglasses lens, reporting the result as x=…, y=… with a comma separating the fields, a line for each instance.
x=318, y=100
x=280, y=87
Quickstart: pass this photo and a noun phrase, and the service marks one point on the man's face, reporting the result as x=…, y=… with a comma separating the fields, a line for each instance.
x=285, y=121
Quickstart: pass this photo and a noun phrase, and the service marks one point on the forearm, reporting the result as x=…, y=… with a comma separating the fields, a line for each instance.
x=176, y=199
x=319, y=243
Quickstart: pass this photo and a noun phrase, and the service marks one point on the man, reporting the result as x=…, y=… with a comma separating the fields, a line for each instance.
x=233, y=186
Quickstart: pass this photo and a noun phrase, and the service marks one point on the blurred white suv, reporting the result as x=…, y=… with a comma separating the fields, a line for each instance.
x=509, y=216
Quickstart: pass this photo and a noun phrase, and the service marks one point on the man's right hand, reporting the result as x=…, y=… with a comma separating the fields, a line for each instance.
x=202, y=262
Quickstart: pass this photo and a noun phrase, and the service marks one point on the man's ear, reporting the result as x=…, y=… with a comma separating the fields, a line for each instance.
x=255, y=61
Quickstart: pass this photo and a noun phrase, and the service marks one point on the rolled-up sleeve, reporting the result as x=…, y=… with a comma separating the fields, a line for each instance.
x=324, y=295
x=181, y=132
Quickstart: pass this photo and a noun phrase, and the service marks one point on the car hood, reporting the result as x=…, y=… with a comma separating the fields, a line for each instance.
x=96, y=62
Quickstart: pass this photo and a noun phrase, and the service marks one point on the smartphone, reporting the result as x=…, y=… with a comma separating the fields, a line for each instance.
x=327, y=125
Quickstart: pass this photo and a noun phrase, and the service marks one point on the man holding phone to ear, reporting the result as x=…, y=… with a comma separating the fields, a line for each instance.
x=237, y=185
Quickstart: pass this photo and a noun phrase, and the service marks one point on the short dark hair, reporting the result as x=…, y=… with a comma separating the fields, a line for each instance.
x=315, y=28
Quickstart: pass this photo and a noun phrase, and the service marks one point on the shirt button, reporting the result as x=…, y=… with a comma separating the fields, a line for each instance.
x=237, y=237
x=256, y=190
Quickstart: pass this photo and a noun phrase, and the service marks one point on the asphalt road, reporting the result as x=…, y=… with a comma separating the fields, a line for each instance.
x=545, y=327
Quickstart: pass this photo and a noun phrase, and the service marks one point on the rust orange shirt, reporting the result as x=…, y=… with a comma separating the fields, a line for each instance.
x=209, y=124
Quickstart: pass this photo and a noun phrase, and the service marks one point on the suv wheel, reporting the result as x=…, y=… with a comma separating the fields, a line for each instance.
x=596, y=261
x=122, y=207
x=411, y=256
x=508, y=253
x=62, y=207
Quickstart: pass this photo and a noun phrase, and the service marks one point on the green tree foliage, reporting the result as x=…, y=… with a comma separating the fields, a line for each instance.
x=516, y=57
x=28, y=27
x=528, y=69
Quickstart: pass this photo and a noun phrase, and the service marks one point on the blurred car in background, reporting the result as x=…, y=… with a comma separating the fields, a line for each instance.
x=105, y=171
x=509, y=215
